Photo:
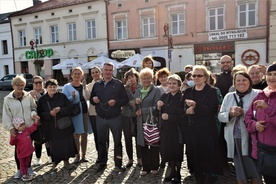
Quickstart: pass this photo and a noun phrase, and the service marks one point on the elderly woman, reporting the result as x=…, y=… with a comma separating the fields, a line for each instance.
x=129, y=118
x=51, y=107
x=232, y=111
x=260, y=119
x=172, y=111
x=19, y=103
x=146, y=100
x=74, y=92
x=200, y=130
x=257, y=77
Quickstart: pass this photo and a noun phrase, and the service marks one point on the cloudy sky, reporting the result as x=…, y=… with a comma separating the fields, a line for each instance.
x=15, y=5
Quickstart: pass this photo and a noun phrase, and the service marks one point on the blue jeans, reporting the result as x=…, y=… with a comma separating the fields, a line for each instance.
x=115, y=126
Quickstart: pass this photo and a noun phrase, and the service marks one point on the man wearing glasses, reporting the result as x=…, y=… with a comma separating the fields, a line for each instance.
x=224, y=79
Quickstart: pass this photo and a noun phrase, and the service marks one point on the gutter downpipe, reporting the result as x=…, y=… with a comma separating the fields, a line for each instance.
x=12, y=45
x=267, y=30
x=107, y=27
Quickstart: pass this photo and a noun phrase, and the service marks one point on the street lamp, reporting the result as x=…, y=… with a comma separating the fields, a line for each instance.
x=168, y=37
x=37, y=53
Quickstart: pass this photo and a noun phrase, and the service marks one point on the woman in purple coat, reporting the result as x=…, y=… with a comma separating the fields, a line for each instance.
x=260, y=118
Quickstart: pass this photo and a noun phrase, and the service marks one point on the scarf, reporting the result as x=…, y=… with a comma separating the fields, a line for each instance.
x=268, y=91
x=241, y=95
x=144, y=92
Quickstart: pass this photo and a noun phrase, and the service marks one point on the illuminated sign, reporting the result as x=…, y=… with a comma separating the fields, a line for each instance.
x=32, y=54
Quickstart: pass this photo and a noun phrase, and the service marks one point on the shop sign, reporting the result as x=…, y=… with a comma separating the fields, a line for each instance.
x=250, y=57
x=122, y=53
x=34, y=54
x=227, y=35
x=214, y=47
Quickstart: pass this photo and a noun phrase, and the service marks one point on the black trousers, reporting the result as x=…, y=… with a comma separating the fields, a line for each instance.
x=150, y=158
x=126, y=125
x=38, y=149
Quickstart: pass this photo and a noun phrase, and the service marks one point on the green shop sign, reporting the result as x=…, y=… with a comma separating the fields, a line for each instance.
x=32, y=54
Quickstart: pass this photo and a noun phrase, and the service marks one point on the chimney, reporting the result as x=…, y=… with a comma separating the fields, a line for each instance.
x=36, y=2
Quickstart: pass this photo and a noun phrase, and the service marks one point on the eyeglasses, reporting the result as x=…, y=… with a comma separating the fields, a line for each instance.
x=20, y=85
x=225, y=62
x=39, y=82
x=198, y=76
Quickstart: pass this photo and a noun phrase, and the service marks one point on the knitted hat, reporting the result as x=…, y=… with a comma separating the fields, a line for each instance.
x=17, y=122
x=271, y=68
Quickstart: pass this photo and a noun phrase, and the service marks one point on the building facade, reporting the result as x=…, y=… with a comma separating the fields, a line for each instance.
x=6, y=54
x=272, y=32
x=181, y=32
x=54, y=31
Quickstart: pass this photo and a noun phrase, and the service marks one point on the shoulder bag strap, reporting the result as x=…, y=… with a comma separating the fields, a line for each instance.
x=50, y=111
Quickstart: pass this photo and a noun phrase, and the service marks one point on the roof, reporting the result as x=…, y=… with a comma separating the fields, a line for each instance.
x=49, y=5
x=4, y=18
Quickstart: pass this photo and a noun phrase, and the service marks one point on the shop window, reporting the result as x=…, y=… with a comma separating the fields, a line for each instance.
x=210, y=60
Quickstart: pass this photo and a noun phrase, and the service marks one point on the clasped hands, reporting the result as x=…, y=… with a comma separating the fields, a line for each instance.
x=191, y=106
x=111, y=102
x=164, y=116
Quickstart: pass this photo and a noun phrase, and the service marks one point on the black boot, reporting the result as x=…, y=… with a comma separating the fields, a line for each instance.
x=172, y=174
x=177, y=178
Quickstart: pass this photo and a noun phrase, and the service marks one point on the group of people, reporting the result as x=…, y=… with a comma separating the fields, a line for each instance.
x=216, y=117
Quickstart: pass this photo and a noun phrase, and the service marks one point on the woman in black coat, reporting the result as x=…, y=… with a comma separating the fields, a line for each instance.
x=172, y=111
x=200, y=130
x=51, y=107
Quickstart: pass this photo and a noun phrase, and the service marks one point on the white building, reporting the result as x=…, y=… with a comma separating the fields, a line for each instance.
x=6, y=55
x=63, y=30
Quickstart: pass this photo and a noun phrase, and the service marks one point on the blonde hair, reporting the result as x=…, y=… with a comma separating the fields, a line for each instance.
x=202, y=68
x=146, y=71
x=18, y=79
x=237, y=68
x=77, y=68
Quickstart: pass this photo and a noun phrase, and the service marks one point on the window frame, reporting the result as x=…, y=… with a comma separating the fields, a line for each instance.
x=5, y=49
x=54, y=34
x=22, y=38
x=216, y=18
x=247, y=14
x=91, y=30
x=38, y=35
x=72, y=31
x=178, y=26
x=123, y=27
x=150, y=32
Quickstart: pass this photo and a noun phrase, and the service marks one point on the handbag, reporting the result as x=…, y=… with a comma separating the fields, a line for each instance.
x=76, y=109
x=38, y=136
x=266, y=158
x=64, y=122
x=150, y=130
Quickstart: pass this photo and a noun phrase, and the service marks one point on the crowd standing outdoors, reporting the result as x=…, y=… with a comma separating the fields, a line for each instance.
x=221, y=120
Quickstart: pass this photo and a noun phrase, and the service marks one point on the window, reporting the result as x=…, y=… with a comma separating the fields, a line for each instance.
x=216, y=19
x=91, y=29
x=54, y=34
x=22, y=38
x=148, y=27
x=38, y=35
x=4, y=47
x=247, y=15
x=178, y=23
x=121, y=29
x=6, y=69
x=72, y=32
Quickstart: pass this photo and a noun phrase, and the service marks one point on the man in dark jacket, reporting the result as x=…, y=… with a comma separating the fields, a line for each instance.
x=108, y=96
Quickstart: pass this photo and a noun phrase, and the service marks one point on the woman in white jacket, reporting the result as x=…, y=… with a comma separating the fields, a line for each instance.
x=21, y=104
x=234, y=106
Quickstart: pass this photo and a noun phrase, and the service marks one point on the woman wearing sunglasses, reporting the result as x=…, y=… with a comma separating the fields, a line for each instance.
x=200, y=131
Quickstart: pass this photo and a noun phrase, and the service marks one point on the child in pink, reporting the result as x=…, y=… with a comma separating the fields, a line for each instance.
x=24, y=145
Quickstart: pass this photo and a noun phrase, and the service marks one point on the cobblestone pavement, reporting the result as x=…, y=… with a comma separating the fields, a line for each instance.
x=85, y=172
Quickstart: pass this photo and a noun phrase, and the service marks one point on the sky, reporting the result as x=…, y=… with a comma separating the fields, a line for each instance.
x=15, y=5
